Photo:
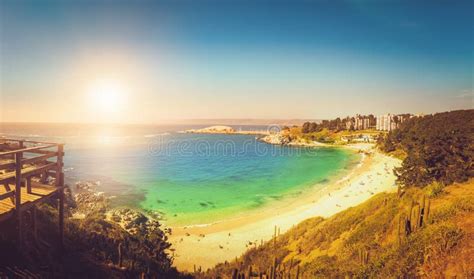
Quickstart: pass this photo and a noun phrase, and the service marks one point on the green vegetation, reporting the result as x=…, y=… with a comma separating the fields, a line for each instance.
x=326, y=135
x=434, y=189
x=93, y=247
x=323, y=135
x=337, y=124
x=372, y=240
x=438, y=147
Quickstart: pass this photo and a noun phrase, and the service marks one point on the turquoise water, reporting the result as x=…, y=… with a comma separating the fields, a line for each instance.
x=200, y=188
x=191, y=178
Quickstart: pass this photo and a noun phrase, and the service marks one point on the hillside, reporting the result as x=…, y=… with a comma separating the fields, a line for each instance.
x=372, y=240
x=424, y=230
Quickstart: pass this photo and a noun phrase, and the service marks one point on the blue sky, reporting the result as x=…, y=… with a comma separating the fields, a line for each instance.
x=235, y=59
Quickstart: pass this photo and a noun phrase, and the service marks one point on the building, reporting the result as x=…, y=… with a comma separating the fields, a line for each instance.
x=348, y=124
x=389, y=122
x=361, y=122
x=384, y=122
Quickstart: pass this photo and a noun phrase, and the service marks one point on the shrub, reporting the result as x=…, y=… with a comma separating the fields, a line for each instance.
x=434, y=189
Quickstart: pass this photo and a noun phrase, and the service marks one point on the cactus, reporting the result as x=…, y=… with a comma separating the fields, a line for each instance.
x=407, y=226
x=416, y=217
x=421, y=214
x=399, y=240
x=274, y=237
x=274, y=268
x=363, y=256
x=425, y=211
x=291, y=266
x=410, y=222
x=428, y=211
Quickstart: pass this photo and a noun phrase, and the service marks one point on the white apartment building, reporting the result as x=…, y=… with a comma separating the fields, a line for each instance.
x=389, y=122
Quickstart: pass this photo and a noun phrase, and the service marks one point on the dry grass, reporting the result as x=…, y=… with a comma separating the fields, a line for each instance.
x=330, y=248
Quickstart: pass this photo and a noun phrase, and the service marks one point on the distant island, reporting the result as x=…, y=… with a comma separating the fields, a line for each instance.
x=218, y=129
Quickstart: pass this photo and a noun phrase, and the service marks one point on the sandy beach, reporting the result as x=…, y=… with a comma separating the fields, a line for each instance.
x=206, y=245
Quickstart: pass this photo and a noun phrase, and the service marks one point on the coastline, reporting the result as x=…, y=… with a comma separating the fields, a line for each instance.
x=225, y=130
x=230, y=238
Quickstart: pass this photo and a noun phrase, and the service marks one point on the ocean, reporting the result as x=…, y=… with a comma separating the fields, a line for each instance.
x=187, y=179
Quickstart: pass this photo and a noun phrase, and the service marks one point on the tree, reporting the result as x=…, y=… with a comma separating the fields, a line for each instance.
x=305, y=128
x=439, y=147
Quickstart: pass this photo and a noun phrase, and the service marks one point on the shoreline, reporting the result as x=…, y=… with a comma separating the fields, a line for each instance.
x=229, y=238
x=291, y=199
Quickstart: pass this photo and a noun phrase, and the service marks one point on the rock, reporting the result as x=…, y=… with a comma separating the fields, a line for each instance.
x=87, y=185
x=277, y=138
x=214, y=130
x=89, y=202
x=134, y=221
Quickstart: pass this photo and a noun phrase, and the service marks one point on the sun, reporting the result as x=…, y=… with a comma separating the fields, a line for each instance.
x=108, y=96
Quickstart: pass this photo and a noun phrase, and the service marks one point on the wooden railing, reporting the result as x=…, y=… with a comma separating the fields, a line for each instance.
x=21, y=160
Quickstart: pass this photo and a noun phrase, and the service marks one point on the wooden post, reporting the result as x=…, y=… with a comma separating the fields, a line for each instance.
x=22, y=145
x=44, y=177
x=59, y=165
x=60, y=183
x=28, y=185
x=18, y=166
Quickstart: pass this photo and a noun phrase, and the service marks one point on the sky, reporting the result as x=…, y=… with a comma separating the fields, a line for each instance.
x=157, y=61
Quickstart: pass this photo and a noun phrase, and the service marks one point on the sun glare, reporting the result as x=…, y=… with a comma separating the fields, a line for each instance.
x=107, y=96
